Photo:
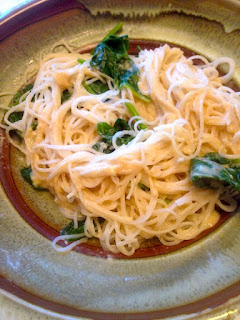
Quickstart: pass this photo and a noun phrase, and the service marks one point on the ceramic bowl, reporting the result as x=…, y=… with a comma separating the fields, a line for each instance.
x=199, y=277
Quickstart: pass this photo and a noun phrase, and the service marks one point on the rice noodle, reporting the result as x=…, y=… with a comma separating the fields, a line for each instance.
x=191, y=113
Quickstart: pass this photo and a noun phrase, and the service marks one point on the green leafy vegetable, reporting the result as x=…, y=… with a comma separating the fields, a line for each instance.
x=34, y=124
x=131, y=109
x=14, y=117
x=207, y=173
x=16, y=98
x=81, y=60
x=65, y=96
x=107, y=132
x=96, y=87
x=214, y=156
x=121, y=124
x=143, y=187
x=108, y=53
x=134, y=112
x=124, y=140
x=79, y=231
x=17, y=115
x=167, y=201
x=128, y=77
x=111, y=57
x=70, y=230
x=106, y=148
x=26, y=173
x=114, y=31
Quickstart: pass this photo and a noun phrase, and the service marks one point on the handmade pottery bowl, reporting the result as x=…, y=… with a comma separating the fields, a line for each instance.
x=200, y=276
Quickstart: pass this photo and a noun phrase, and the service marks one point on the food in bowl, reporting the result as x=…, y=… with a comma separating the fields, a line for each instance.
x=131, y=147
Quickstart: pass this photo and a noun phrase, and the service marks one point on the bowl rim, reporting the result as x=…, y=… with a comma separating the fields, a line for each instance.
x=32, y=11
x=34, y=302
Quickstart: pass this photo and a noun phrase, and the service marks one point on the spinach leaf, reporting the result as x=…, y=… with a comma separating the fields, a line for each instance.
x=107, y=148
x=108, y=53
x=26, y=173
x=121, y=124
x=107, y=132
x=206, y=173
x=18, y=95
x=15, y=116
x=115, y=30
x=128, y=77
x=134, y=112
x=143, y=187
x=167, y=201
x=81, y=61
x=65, y=96
x=124, y=140
x=96, y=87
x=70, y=230
x=214, y=156
x=111, y=58
x=34, y=124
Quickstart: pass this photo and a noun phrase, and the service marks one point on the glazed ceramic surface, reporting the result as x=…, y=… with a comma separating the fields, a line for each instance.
x=196, y=278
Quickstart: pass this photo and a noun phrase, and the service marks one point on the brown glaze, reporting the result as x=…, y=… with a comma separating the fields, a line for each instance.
x=143, y=44
x=152, y=248
x=195, y=307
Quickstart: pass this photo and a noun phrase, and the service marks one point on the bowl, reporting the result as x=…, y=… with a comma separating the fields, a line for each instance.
x=199, y=279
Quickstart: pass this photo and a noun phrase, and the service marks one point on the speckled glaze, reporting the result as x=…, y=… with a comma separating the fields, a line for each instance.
x=198, y=278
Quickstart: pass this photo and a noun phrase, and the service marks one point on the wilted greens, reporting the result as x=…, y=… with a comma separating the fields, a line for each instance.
x=214, y=171
x=167, y=201
x=65, y=96
x=26, y=173
x=81, y=61
x=111, y=57
x=17, y=115
x=134, y=112
x=107, y=132
x=70, y=230
x=143, y=187
x=79, y=231
x=96, y=87
x=16, y=98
